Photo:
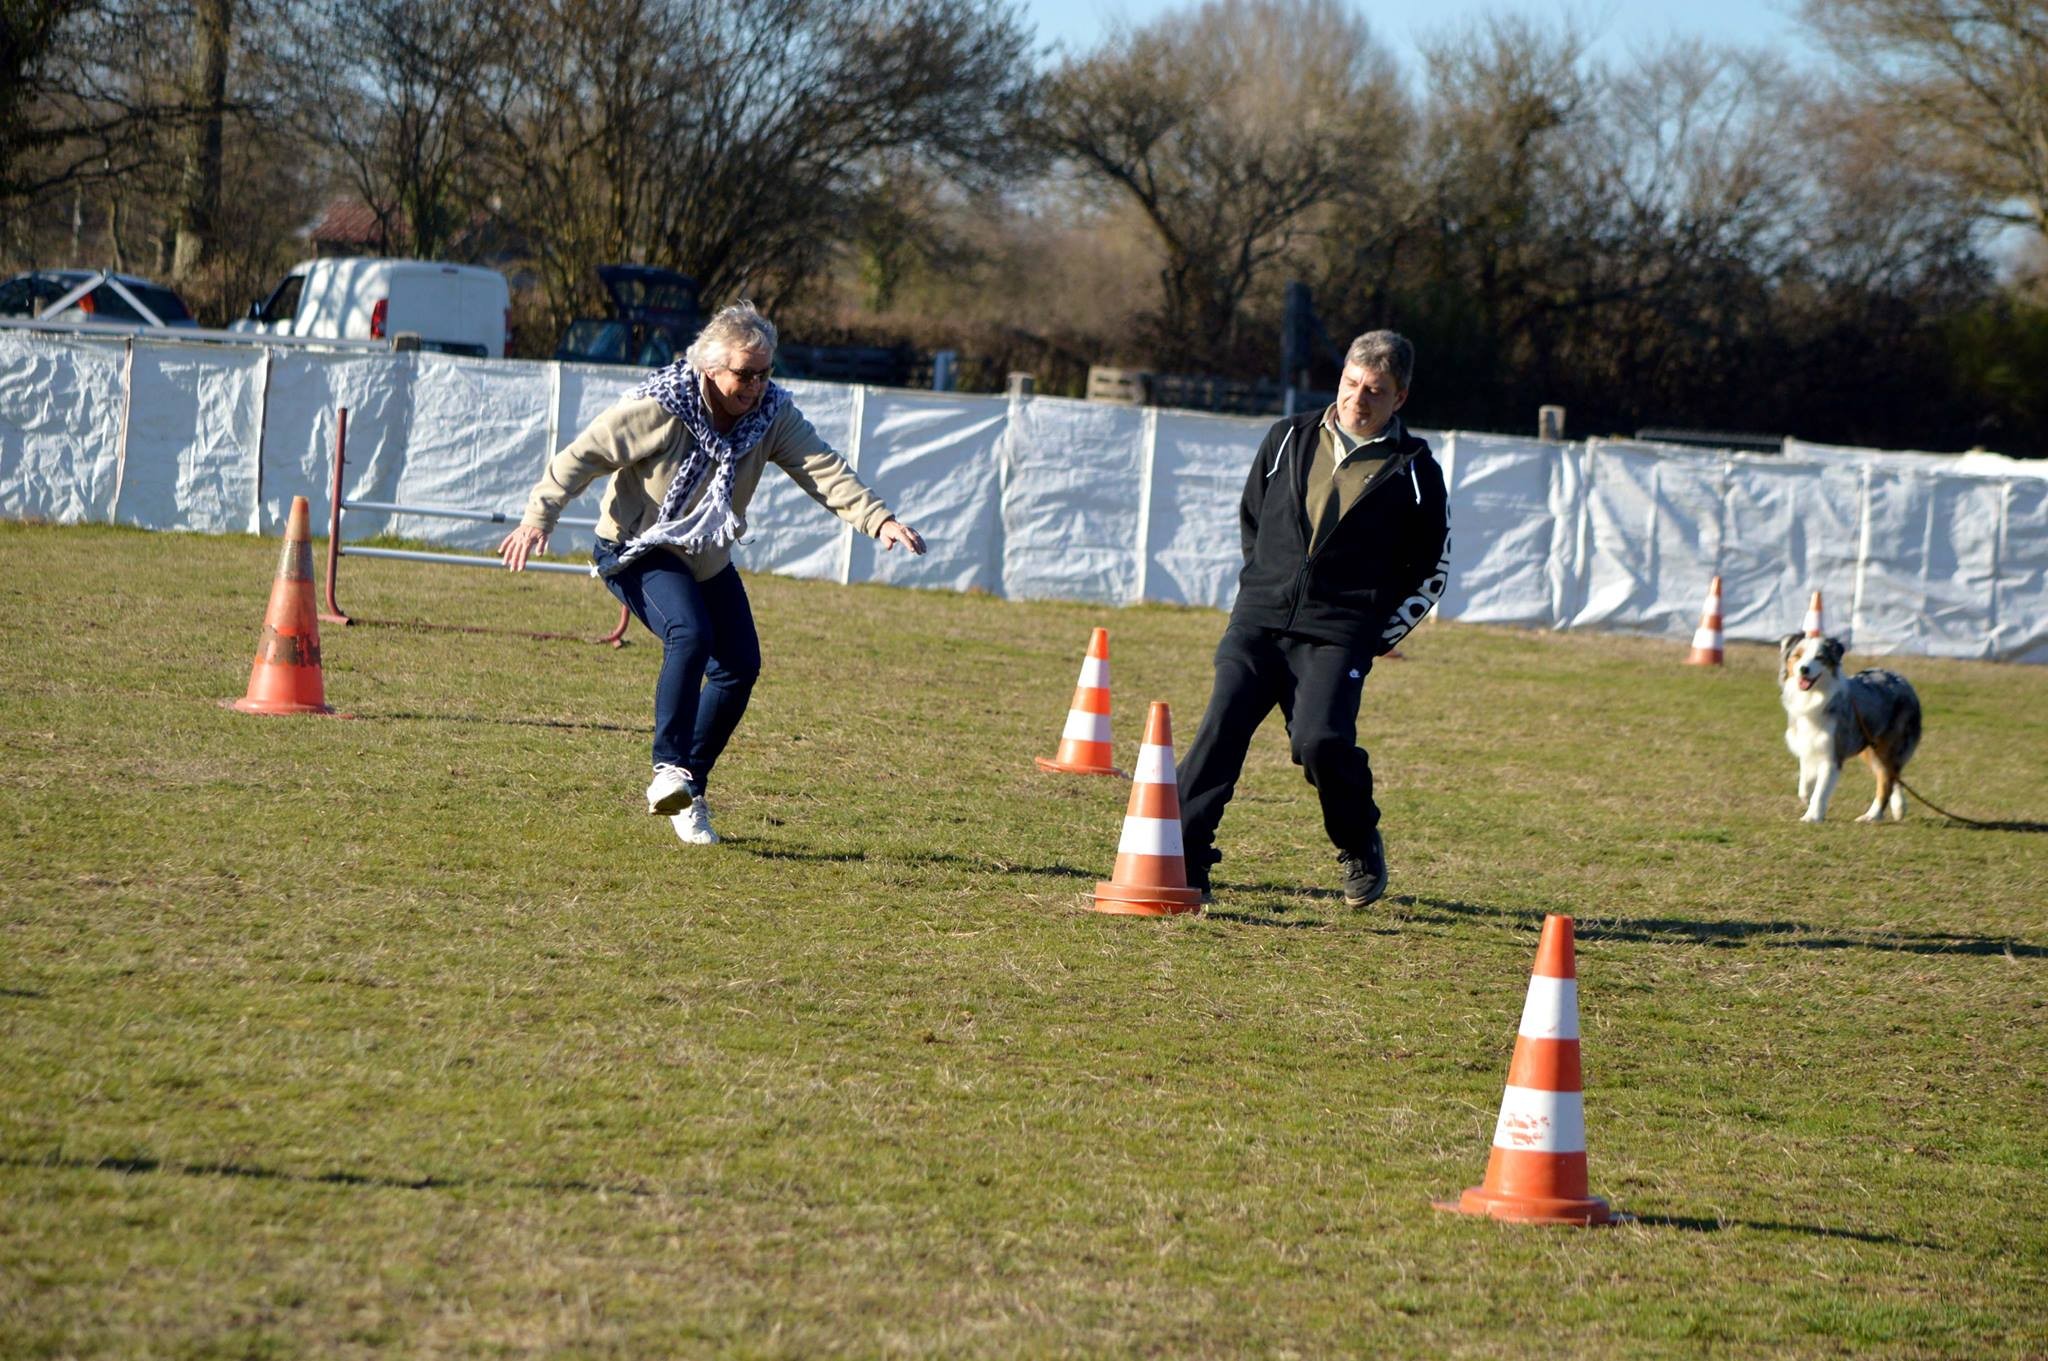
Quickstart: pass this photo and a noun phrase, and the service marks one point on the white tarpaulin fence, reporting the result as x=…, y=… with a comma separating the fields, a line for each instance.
x=1045, y=497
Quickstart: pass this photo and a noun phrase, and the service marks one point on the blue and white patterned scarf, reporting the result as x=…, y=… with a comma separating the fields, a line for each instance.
x=712, y=522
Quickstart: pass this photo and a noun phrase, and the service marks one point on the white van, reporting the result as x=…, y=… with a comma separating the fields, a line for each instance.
x=459, y=309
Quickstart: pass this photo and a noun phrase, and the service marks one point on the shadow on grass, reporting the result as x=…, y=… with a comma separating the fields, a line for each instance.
x=505, y=720
x=429, y=626
x=1691, y=1224
x=1971, y=825
x=510, y=721
x=29, y=994
x=135, y=1167
x=1374, y=919
x=1272, y=916
x=1779, y=935
x=987, y=864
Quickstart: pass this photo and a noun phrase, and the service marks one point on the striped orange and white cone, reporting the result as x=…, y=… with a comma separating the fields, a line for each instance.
x=1707, y=641
x=1536, y=1173
x=286, y=677
x=1151, y=874
x=1812, y=625
x=1084, y=744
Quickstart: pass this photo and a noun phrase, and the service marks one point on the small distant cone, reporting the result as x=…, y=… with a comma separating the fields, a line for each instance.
x=1707, y=642
x=1151, y=874
x=1536, y=1173
x=1084, y=744
x=286, y=676
x=1813, y=626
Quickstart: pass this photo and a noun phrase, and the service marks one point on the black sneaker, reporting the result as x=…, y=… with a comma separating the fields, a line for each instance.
x=1198, y=866
x=1365, y=874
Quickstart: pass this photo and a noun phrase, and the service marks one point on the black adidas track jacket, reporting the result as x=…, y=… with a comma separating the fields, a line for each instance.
x=1381, y=569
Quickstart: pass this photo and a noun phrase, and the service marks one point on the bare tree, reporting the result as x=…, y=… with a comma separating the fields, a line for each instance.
x=1229, y=126
x=29, y=31
x=806, y=101
x=1973, y=77
x=131, y=123
x=1511, y=230
x=1692, y=194
x=1879, y=216
x=735, y=142
x=906, y=222
x=199, y=196
x=85, y=91
x=401, y=91
x=583, y=147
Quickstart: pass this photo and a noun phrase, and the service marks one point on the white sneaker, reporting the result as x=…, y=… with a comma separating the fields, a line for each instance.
x=670, y=791
x=693, y=825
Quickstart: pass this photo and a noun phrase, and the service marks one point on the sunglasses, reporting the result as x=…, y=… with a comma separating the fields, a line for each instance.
x=748, y=376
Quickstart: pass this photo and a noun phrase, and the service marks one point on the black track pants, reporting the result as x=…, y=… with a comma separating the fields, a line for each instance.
x=1316, y=686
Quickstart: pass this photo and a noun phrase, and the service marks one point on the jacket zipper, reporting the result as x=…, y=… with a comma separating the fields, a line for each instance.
x=1300, y=589
x=1308, y=560
x=1379, y=479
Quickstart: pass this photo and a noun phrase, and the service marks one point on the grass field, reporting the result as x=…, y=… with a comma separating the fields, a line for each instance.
x=413, y=1035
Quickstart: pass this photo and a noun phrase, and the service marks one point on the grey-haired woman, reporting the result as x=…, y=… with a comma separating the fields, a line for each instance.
x=684, y=451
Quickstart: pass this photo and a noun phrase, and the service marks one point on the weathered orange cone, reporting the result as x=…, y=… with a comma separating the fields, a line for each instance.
x=1536, y=1173
x=285, y=678
x=1084, y=744
x=1812, y=624
x=1151, y=874
x=1707, y=642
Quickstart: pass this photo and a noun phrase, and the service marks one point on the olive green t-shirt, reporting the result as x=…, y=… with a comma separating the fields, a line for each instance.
x=1337, y=479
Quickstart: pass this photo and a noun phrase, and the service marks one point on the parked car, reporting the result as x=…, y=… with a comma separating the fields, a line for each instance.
x=457, y=309
x=115, y=298
x=876, y=365
x=655, y=316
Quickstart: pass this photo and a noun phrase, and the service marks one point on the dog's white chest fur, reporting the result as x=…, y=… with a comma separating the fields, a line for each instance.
x=1807, y=732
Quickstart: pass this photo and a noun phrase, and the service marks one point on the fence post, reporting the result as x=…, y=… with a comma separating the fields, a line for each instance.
x=262, y=421
x=1862, y=559
x=852, y=455
x=554, y=411
x=1148, y=451
x=121, y=449
x=334, y=614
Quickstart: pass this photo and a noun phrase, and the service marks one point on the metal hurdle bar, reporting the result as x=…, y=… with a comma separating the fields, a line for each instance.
x=334, y=614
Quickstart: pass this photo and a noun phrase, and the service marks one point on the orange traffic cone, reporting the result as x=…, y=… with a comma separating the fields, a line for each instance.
x=1151, y=874
x=286, y=676
x=1084, y=744
x=1707, y=642
x=1536, y=1173
x=1812, y=624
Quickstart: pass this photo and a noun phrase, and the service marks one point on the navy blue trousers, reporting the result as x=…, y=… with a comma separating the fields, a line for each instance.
x=710, y=654
x=1316, y=686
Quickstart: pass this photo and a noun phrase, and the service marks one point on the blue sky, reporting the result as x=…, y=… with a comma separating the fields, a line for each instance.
x=1621, y=25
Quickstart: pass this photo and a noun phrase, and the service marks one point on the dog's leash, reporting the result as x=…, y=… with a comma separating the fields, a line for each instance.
x=1899, y=780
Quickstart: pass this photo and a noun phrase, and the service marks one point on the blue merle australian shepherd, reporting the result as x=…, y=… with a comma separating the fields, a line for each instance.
x=1831, y=717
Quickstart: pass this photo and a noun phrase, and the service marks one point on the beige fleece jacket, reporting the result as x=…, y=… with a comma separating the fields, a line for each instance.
x=641, y=445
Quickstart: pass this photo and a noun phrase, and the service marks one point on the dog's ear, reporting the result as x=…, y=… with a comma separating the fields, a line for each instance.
x=1786, y=644
x=1831, y=651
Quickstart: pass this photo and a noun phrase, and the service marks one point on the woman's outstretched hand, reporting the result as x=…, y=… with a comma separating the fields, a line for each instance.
x=521, y=544
x=894, y=531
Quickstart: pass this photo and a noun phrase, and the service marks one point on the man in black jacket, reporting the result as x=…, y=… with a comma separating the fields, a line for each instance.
x=1346, y=548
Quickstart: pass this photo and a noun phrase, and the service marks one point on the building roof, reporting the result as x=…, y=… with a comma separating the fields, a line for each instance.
x=349, y=221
